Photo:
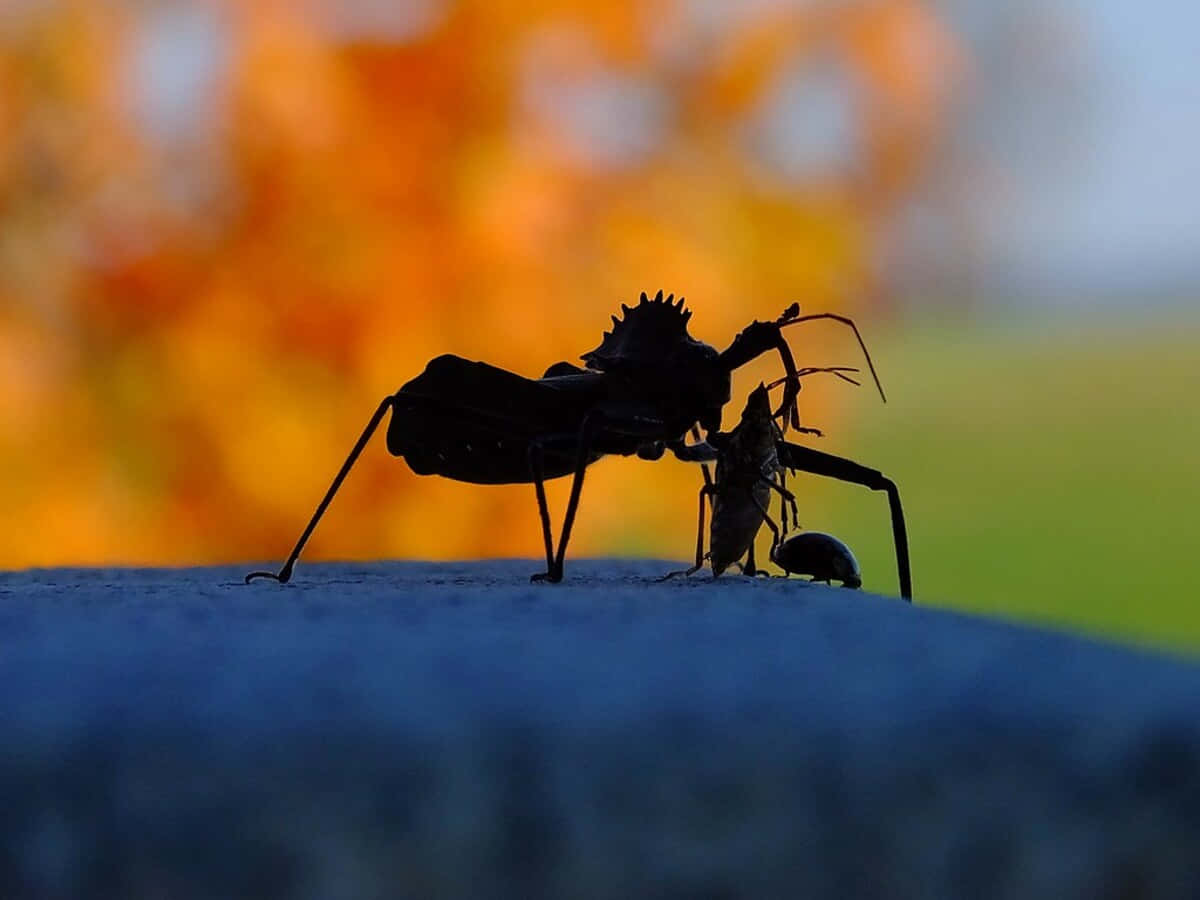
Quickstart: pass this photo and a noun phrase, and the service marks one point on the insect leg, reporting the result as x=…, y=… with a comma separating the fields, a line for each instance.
x=285, y=574
x=708, y=480
x=587, y=433
x=537, y=469
x=787, y=497
x=710, y=490
x=768, y=521
x=806, y=459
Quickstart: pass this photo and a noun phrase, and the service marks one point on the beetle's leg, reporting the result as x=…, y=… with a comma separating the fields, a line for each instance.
x=806, y=459
x=587, y=433
x=710, y=490
x=537, y=470
x=285, y=574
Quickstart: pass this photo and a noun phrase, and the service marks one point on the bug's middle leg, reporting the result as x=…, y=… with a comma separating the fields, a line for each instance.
x=537, y=470
x=587, y=433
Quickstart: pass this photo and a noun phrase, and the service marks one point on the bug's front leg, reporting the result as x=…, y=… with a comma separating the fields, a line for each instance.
x=758, y=338
x=806, y=459
x=707, y=490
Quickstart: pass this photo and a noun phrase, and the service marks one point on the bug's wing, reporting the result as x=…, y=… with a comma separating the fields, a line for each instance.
x=474, y=422
x=806, y=459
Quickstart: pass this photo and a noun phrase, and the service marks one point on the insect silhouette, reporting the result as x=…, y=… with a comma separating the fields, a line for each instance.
x=750, y=462
x=819, y=555
x=646, y=384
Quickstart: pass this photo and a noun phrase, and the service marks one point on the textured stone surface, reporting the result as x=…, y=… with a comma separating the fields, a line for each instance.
x=449, y=730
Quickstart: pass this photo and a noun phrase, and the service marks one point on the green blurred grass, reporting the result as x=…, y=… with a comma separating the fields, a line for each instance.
x=1047, y=477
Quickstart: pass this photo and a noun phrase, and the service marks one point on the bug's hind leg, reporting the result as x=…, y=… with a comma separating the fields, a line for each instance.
x=284, y=575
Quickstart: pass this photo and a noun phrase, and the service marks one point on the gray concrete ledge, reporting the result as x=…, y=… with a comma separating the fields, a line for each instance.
x=449, y=730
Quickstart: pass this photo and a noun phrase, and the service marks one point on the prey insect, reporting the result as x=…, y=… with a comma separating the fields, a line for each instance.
x=748, y=470
x=643, y=388
x=750, y=462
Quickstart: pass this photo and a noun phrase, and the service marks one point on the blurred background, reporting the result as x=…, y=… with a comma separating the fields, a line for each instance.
x=227, y=230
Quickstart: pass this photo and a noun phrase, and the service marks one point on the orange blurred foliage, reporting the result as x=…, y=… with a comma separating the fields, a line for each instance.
x=227, y=230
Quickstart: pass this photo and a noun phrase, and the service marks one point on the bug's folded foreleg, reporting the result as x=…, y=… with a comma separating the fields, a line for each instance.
x=806, y=459
x=760, y=337
x=700, y=452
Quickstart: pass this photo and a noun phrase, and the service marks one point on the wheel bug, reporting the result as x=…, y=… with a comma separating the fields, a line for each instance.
x=646, y=384
x=749, y=461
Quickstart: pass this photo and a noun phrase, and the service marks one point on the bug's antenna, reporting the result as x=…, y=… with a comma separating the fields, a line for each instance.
x=809, y=370
x=285, y=574
x=790, y=393
x=791, y=317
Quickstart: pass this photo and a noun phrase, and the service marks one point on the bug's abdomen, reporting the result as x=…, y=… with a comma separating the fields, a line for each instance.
x=466, y=453
x=735, y=523
x=474, y=422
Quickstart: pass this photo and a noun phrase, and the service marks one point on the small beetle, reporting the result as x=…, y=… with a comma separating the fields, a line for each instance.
x=820, y=555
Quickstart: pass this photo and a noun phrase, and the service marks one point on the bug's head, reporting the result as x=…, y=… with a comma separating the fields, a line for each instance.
x=758, y=405
x=751, y=342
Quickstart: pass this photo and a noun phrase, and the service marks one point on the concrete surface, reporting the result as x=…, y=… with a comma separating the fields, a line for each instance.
x=449, y=730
